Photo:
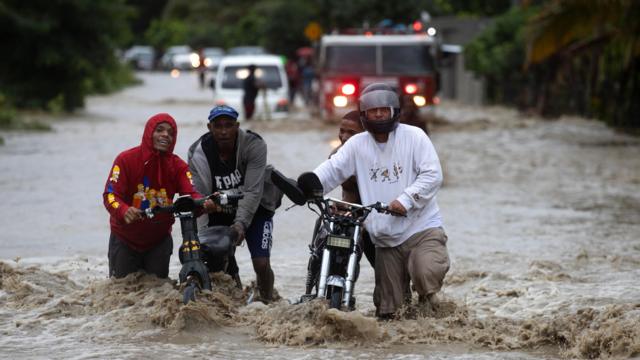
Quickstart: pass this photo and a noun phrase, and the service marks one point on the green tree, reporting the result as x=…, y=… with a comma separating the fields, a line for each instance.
x=344, y=14
x=279, y=24
x=59, y=50
x=164, y=33
x=143, y=13
x=498, y=55
x=564, y=56
x=595, y=47
x=284, y=32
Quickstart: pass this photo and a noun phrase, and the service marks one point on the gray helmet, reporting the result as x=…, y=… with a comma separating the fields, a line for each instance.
x=379, y=95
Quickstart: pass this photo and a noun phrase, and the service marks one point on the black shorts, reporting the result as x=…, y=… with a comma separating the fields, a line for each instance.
x=259, y=234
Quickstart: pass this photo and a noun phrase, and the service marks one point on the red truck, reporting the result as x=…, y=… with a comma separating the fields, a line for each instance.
x=348, y=63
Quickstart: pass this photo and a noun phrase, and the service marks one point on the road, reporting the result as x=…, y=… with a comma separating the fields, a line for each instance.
x=543, y=219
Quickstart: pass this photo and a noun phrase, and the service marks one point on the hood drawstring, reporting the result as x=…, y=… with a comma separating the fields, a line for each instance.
x=160, y=161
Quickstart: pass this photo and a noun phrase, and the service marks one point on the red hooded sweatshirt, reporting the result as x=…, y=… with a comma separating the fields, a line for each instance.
x=144, y=177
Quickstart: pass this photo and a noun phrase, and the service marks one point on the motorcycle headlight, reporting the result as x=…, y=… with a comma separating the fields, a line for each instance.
x=339, y=241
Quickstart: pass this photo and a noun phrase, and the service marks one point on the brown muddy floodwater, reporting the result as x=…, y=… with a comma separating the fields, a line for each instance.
x=543, y=219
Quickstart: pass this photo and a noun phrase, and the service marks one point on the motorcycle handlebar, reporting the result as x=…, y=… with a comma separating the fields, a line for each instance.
x=187, y=203
x=151, y=212
x=378, y=206
x=224, y=199
x=384, y=208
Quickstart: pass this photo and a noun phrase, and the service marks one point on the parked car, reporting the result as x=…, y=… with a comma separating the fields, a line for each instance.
x=272, y=100
x=140, y=57
x=179, y=57
x=212, y=57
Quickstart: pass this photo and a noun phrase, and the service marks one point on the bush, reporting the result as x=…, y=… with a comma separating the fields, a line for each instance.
x=60, y=50
x=498, y=55
x=11, y=119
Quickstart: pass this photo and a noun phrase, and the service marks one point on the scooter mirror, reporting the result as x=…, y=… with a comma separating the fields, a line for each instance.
x=184, y=204
x=289, y=187
x=310, y=185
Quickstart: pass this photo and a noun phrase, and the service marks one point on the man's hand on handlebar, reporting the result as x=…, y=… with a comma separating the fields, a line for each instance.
x=210, y=206
x=396, y=208
x=340, y=210
x=133, y=214
x=239, y=229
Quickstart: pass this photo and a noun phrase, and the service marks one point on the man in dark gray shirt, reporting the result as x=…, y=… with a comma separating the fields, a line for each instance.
x=228, y=159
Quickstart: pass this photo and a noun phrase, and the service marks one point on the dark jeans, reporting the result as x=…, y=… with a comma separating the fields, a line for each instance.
x=123, y=260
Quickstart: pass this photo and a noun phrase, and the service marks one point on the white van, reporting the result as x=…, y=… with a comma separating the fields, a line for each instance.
x=272, y=101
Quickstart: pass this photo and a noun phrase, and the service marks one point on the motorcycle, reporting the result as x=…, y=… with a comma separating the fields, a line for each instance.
x=199, y=258
x=335, y=247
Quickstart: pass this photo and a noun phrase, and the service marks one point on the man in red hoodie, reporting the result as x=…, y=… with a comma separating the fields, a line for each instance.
x=142, y=177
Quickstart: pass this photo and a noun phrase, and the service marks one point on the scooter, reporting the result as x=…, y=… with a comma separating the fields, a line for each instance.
x=335, y=248
x=199, y=258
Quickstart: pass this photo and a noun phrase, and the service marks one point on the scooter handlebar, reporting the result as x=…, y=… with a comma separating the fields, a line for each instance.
x=186, y=203
x=224, y=199
x=151, y=212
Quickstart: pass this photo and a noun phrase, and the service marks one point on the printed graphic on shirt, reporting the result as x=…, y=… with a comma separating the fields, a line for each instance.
x=115, y=173
x=111, y=199
x=384, y=174
x=147, y=197
x=230, y=181
x=190, y=177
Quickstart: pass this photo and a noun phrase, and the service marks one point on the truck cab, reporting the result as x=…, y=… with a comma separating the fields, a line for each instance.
x=348, y=63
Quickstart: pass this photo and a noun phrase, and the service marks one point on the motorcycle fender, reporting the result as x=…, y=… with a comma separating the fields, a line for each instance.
x=335, y=280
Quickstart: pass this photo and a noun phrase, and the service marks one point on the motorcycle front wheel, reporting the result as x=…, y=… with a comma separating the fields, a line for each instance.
x=336, y=298
x=190, y=292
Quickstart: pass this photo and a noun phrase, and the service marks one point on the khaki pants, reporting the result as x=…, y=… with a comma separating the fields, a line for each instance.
x=423, y=259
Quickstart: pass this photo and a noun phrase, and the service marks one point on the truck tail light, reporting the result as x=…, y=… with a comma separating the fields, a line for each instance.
x=348, y=89
x=411, y=88
x=417, y=26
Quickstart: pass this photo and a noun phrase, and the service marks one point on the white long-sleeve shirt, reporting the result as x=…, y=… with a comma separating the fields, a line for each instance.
x=405, y=168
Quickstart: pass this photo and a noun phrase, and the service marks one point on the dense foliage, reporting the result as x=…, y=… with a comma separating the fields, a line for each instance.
x=55, y=52
x=565, y=56
x=554, y=57
x=279, y=25
x=498, y=54
x=58, y=51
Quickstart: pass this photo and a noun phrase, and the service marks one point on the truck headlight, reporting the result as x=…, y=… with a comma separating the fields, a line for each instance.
x=419, y=100
x=340, y=101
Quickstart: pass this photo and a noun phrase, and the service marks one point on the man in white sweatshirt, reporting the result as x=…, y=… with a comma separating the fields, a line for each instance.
x=395, y=164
